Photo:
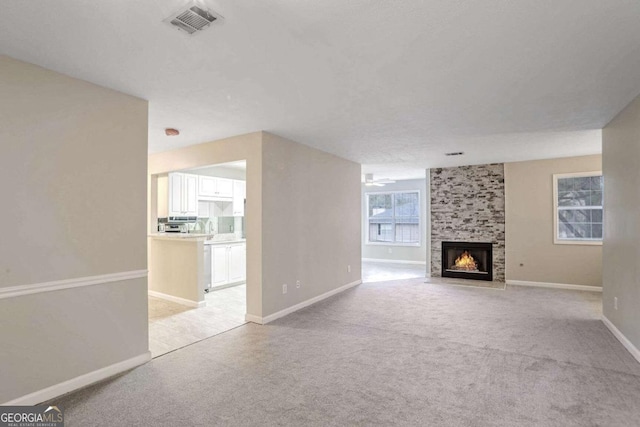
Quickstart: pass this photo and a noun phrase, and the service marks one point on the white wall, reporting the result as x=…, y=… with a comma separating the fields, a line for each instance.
x=73, y=162
x=621, y=249
x=396, y=252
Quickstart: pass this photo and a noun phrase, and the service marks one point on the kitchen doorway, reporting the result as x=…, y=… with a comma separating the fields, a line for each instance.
x=197, y=256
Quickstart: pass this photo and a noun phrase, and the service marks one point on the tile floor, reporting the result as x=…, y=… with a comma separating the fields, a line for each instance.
x=382, y=271
x=172, y=326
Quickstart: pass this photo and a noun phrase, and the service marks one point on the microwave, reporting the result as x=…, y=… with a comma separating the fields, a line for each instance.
x=175, y=224
x=165, y=227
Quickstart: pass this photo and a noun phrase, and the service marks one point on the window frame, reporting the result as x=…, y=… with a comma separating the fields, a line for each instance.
x=420, y=219
x=556, y=223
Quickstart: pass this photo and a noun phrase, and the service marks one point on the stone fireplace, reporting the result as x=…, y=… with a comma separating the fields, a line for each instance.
x=467, y=206
x=467, y=260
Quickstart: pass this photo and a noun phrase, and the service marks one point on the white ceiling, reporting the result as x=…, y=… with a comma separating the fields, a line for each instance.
x=240, y=165
x=390, y=84
x=232, y=170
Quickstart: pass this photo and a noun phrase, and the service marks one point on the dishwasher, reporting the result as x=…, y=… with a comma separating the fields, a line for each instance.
x=207, y=268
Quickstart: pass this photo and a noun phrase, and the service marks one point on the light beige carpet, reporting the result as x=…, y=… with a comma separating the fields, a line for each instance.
x=465, y=282
x=390, y=353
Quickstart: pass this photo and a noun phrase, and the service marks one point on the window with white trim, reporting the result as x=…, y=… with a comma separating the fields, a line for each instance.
x=393, y=218
x=578, y=208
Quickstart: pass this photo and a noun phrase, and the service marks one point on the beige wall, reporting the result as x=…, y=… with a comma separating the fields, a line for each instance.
x=177, y=263
x=621, y=274
x=529, y=226
x=399, y=253
x=53, y=337
x=311, y=222
x=302, y=216
x=73, y=161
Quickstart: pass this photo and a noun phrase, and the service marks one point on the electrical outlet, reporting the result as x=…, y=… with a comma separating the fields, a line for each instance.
x=390, y=250
x=284, y=289
x=348, y=269
x=297, y=283
x=615, y=302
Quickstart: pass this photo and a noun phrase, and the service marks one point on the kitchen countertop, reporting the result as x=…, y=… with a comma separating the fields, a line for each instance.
x=181, y=236
x=208, y=239
x=223, y=242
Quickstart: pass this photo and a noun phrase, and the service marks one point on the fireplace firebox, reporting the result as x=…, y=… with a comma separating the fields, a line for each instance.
x=467, y=260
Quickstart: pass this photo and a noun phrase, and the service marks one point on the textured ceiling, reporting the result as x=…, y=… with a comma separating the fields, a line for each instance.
x=390, y=84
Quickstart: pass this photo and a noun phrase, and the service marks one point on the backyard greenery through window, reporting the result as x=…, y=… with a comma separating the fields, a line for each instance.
x=578, y=208
x=394, y=218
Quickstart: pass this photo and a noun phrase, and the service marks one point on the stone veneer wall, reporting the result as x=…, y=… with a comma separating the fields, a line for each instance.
x=467, y=204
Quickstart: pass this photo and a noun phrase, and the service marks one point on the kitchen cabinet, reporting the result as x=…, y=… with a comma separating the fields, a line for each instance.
x=219, y=265
x=183, y=194
x=206, y=186
x=228, y=264
x=239, y=194
x=212, y=188
x=225, y=187
x=237, y=263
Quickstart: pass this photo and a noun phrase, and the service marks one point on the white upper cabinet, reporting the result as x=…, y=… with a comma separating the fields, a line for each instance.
x=207, y=187
x=191, y=194
x=225, y=187
x=211, y=188
x=183, y=194
x=239, y=194
x=176, y=205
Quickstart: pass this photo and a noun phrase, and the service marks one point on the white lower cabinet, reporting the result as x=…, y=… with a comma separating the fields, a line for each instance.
x=219, y=265
x=228, y=264
x=237, y=263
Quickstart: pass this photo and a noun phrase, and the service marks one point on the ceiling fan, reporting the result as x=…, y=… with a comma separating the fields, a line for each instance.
x=370, y=182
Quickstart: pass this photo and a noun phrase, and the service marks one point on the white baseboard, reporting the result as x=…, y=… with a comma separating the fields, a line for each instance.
x=289, y=310
x=394, y=261
x=635, y=352
x=76, y=383
x=178, y=300
x=228, y=285
x=555, y=285
x=253, y=319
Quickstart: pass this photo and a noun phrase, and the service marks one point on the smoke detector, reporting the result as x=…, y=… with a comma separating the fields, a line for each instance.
x=193, y=18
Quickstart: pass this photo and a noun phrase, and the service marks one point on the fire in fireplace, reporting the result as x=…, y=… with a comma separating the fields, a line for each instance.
x=467, y=260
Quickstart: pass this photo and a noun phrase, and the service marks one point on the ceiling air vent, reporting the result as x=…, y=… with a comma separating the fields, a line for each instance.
x=193, y=18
